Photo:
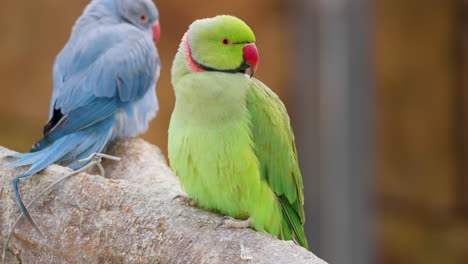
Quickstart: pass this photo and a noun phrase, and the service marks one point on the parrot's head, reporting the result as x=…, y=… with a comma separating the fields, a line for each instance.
x=222, y=43
x=142, y=14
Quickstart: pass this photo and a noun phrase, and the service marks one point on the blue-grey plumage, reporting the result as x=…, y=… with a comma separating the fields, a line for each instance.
x=104, y=85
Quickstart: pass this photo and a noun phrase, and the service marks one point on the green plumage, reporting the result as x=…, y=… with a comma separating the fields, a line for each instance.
x=230, y=139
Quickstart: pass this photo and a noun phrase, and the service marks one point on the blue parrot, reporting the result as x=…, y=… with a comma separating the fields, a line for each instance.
x=104, y=86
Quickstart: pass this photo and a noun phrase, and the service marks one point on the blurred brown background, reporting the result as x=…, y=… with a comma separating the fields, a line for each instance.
x=418, y=57
x=421, y=80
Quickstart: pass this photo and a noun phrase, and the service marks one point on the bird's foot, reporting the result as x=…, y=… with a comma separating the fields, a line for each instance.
x=185, y=200
x=229, y=222
x=96, y=158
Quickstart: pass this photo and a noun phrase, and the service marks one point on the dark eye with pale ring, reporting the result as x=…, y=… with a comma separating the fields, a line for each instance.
x=226, y=41
x=143, y=18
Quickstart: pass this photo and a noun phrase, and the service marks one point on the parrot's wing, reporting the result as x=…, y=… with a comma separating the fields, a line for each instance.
x=113, y=61
x=112, y=65
x=77, y=119
x=276, y=152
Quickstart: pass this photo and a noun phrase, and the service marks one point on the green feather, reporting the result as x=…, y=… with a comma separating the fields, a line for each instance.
x=276, y=151
x=294, y=222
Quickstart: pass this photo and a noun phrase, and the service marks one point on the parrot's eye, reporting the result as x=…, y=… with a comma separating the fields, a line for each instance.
x=226, y=41
x=143, y=18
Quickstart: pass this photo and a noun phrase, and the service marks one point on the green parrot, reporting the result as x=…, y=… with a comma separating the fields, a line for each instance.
x=230, y=139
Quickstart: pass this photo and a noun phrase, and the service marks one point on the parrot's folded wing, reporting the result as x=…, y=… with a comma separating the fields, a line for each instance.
x=111, y=62
x=79, y=118
x=276, y=152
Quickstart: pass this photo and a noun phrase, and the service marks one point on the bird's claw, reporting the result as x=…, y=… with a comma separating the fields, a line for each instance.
x=97, y=159
x=229, y=222
x=185, y=200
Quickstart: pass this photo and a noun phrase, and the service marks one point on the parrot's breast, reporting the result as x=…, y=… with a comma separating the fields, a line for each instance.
x=216, y=165
x=218, y=168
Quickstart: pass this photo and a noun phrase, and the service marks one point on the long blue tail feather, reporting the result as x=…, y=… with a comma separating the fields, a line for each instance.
x=70, y=147
x=24, y=159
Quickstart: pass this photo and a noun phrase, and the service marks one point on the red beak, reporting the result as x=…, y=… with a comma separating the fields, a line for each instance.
x=251, y=57
x=156, y=31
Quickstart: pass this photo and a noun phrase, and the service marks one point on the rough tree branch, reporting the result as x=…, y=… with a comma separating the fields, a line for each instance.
x=129, y=218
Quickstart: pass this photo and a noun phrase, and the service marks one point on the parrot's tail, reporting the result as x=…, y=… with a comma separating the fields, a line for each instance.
x=68, y=150
x=294, y=223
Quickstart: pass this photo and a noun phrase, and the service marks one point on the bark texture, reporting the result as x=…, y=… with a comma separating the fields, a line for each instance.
x=127, y=218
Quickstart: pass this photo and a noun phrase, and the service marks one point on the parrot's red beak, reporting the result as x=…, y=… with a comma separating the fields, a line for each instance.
x=156, y=31
x=251, y=57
